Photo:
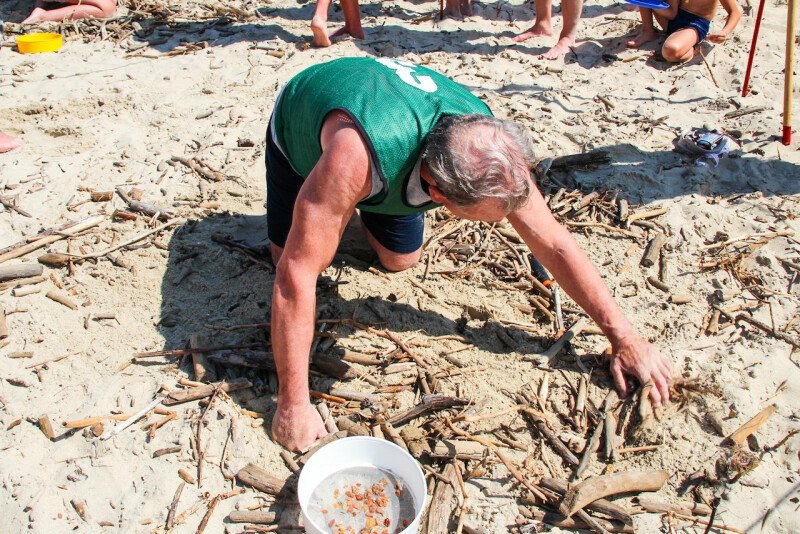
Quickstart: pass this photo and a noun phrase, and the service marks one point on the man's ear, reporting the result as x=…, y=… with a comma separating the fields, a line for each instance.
x=436, y=194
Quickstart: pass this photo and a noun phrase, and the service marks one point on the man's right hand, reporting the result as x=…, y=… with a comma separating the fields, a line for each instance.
x=297, y=426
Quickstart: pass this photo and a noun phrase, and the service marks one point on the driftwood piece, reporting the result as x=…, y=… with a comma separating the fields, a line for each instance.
x=62, y=299
x=391, y=433
x=430, y=403
x=601, y=506
x=744, y=111
x=557, y=520
x=201, y=392
x=327, y=418
x=101, y=196
x=213, y=504
x=352, y=427
x=363, y=359
x=3, y=323
x=549, y=356
x=594, y=440
x=680, y=298
x=353, y=395
x=173, y=508
x=46, y=427
x=289, y=461
x=552, y=438
x=54, y=259
x=743, y=432
x=653, y=250
x=416, y=441
x=203, y=371
x=658, y=284
x=111, y=432
x=48, y=237
x=129, y=242
x=334, y=367
x=20, y=270
x=205, y=172
x=457, y=449
x=609, y=432
x=783, y=336
x=309, y=451
x=22, y=282
x=163, y=214
x=655, y=505
x=443, y=498
x=258, y=517
x=260, y=479
x=647, y=214
x=256, y=359
x=579, y=495
x=51, y=360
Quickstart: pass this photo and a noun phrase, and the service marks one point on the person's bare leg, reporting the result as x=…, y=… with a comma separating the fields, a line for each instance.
x=647, y=32
x=452, y=8
x=679, y=47
x=393, y=261
x=571, y=12
x=78, y=9
x=276, y=251
x=319, y=24
x=8, y=143
x=352, y=20
x=542, y=25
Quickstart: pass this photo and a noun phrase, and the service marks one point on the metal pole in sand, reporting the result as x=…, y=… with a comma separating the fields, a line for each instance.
x=746, y=86
x=789, y=73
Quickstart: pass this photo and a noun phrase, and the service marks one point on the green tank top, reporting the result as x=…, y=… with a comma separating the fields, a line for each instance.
x=394, y=104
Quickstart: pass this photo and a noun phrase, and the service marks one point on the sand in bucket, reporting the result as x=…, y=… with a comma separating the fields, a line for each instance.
x=362, y=500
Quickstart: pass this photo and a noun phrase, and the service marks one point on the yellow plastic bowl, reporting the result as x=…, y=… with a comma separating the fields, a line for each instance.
x=35, y=43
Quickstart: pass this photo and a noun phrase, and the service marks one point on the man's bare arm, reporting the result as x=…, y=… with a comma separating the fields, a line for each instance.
x=555, y=247
x=324, y=206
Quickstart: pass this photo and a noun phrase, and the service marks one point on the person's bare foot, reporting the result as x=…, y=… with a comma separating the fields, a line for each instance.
x=35, y=16
x=319, y=28
x=452, y=9
x=645, y=36
x=8, y=143
x=357, y=33
x=537, y=30
x=562, y=47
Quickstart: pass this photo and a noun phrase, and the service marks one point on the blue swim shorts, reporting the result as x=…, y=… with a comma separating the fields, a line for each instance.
x=684, y=19
x=400, y=234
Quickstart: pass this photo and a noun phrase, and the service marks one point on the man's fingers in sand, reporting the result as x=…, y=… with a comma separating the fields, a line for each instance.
x=666, y=367
x=619, y=378
x=662, y=385
x=656, y=391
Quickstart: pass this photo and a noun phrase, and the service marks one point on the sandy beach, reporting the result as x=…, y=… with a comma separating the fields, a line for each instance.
x=169, y=104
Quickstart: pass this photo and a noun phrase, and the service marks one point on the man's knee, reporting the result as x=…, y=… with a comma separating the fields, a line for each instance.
x=395, y=262
x=108, y=8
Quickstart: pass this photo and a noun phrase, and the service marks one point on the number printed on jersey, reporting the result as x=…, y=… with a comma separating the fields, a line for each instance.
x=405, y=71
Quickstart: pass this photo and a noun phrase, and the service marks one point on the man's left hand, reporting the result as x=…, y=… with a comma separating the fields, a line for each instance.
x=638, y=358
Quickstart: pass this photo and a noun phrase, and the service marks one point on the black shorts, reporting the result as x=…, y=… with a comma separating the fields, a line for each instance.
x=400, y=234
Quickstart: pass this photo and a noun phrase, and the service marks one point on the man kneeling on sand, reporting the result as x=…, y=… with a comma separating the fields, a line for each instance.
x=395, y=139
x=76, y=9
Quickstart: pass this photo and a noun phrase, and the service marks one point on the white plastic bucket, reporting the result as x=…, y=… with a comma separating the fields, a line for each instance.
x=361, y=451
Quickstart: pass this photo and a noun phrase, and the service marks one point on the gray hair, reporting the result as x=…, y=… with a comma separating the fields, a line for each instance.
x=470, y=165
